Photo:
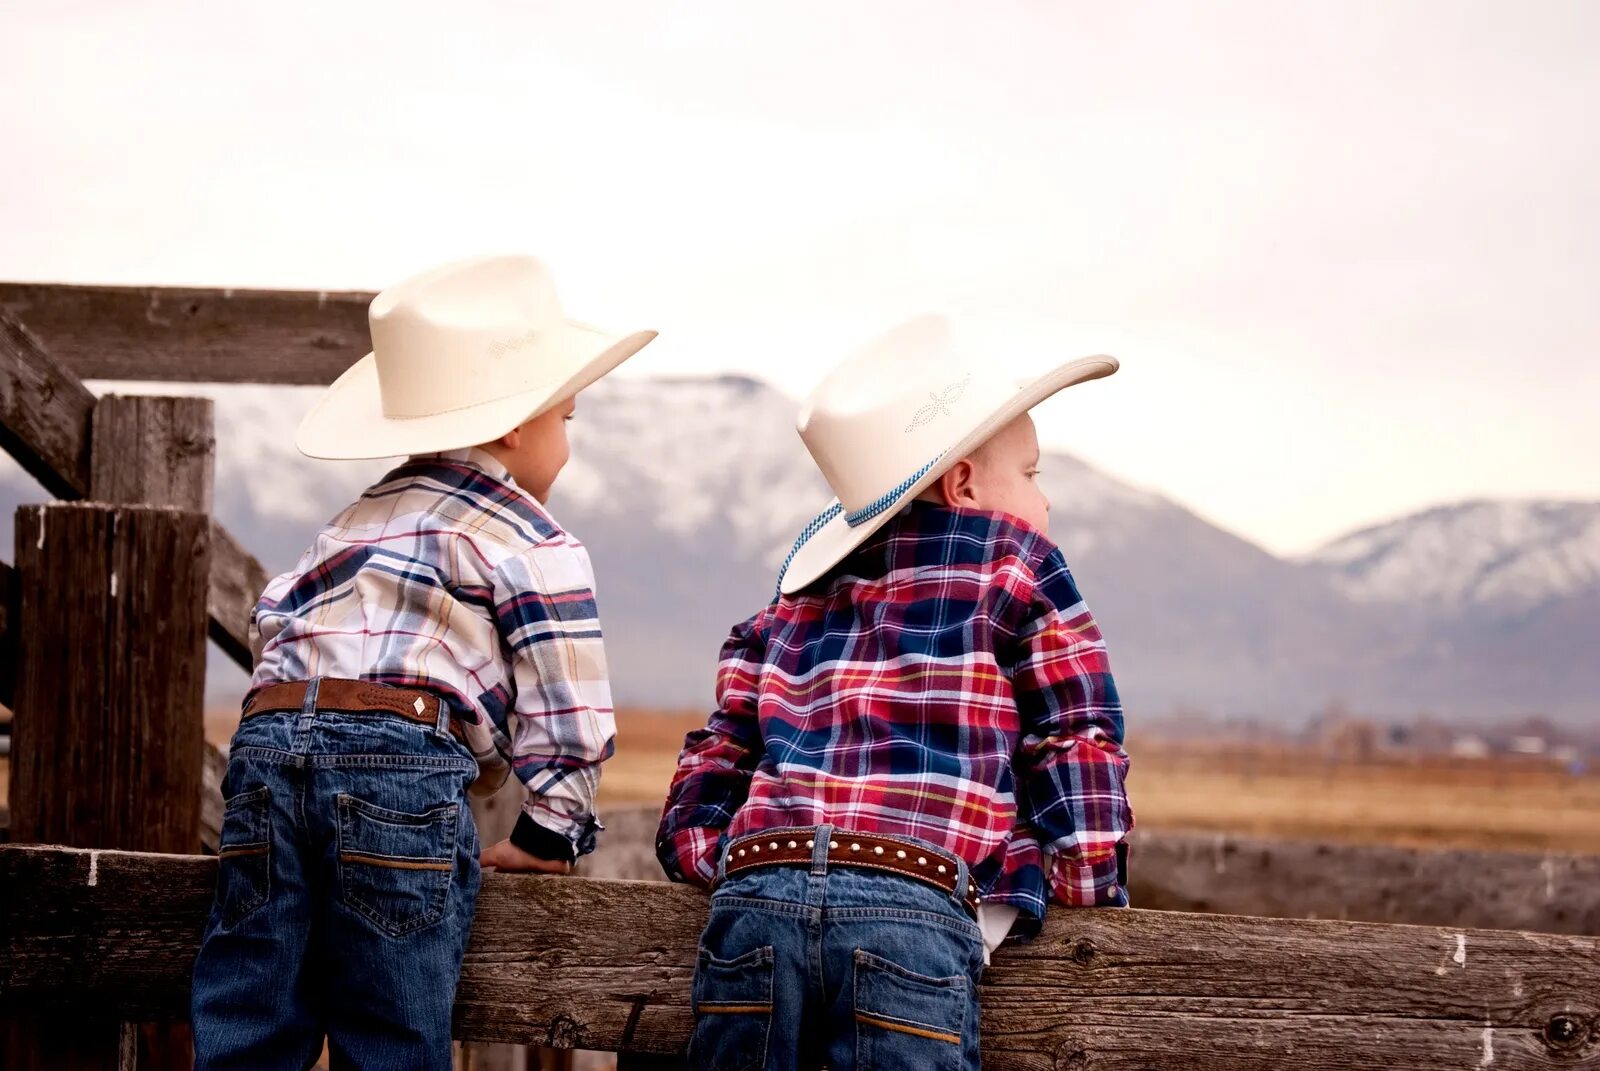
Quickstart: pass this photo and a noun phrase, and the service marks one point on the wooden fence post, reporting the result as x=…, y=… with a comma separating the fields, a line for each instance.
x=111, y=675
x=157, y=451
x=108, y=750
x=112, y=670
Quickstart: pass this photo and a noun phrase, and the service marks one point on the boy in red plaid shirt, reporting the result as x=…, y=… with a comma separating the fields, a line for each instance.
x=916, y=745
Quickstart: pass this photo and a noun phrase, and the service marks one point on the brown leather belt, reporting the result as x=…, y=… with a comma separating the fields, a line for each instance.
x=867, y=851
x=351, y=697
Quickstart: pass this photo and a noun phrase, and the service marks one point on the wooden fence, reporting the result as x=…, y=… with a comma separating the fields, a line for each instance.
x=103, y=623
x=606, y=965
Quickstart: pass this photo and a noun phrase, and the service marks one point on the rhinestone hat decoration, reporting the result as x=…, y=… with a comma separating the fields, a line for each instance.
x=939, y=404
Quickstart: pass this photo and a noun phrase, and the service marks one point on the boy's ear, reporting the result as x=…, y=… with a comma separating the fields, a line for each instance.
x=958, y=484
x=511, y=439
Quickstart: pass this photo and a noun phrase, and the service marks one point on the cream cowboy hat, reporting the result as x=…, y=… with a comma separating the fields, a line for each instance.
x=887, y=423
x=460, y=356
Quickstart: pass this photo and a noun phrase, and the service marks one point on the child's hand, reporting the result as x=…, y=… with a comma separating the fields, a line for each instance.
x=512, y=859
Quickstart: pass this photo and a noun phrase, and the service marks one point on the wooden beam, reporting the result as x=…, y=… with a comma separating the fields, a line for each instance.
x=44, y=413
x=580, y=963
x=8, y=636
x=195, y=335
x=237, y=580
x=46, y=423
x=156, y=451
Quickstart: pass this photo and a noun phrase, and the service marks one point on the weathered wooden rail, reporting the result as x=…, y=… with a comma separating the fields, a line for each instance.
x=577, y=963
x=187, y=334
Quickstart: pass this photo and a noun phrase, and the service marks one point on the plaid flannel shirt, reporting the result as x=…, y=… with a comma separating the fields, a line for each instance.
x=945, y=682
x=447, y=576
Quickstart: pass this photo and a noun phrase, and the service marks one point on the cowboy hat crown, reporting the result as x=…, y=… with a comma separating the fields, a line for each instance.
x=460, y=355
x=891, y=419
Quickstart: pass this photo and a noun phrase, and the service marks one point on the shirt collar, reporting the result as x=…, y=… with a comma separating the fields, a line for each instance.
x=491, y=466
x=475, y=456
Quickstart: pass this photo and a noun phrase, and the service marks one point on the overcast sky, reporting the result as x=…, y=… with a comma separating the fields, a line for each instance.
x=1348, y=253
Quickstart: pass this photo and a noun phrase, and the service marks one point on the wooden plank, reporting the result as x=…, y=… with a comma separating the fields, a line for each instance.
x=44, y=413
x=160, y=451
x=195, y=335
x=8, y=634
x=237, y=580
x=1552, y=893
x=107, y=748
x=580, y=963
x=214, y=764
x=153, y=450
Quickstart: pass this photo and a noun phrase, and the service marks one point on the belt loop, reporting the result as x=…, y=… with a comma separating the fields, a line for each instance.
x=819, y=850
x=442, y=721
x=308, y=708
x=308, y=716
x=963, y=879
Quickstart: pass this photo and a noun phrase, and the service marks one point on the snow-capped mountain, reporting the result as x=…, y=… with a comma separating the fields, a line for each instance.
x=1496, y=557
x=689, y=493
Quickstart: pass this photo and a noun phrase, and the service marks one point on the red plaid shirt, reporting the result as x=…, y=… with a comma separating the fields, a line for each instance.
x=945, y=682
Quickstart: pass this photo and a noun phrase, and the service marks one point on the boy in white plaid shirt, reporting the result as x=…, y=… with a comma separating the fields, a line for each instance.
x=441, y=630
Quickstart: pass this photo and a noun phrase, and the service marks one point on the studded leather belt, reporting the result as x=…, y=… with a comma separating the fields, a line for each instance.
x=866, y=851
x=351, y=697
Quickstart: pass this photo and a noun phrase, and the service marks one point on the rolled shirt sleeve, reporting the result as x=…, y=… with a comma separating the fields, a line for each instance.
x=561, y=725
x=1071, y=762
x=715, y=767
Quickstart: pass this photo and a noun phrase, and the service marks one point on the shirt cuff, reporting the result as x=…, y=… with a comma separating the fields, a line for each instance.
x=693, y=852
x=545, y=843
x=1097, y=882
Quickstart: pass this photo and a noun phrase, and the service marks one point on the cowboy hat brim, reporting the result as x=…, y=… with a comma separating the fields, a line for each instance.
x=348, y=422
x=837, y=538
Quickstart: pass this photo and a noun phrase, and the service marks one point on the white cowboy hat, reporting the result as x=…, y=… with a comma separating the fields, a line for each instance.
x=460, y=356
x=887, y=423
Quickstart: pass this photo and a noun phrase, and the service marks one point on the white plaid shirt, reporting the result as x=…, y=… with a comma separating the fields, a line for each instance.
x=447, y=576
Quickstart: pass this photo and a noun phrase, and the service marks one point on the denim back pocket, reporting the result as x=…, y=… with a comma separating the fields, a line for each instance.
x=733, y=1011
x=395, y=868
x=244, y=855
x=907, y=1020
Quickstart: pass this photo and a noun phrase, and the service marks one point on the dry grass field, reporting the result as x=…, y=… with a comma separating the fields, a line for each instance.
x=1502, y=804
x=1505, y=804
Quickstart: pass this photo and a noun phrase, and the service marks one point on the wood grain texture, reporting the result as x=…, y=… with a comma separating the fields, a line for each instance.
x=213, y=766
x=160, y=451
x=8, y=635
x=581, y=963
x=195, y=335
x=44, y=413
x=108, y=736
x=237, y=581
x=153, y=450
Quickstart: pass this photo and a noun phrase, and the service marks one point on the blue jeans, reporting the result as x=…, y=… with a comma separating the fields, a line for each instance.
x=345, y=891
x=852, y=969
